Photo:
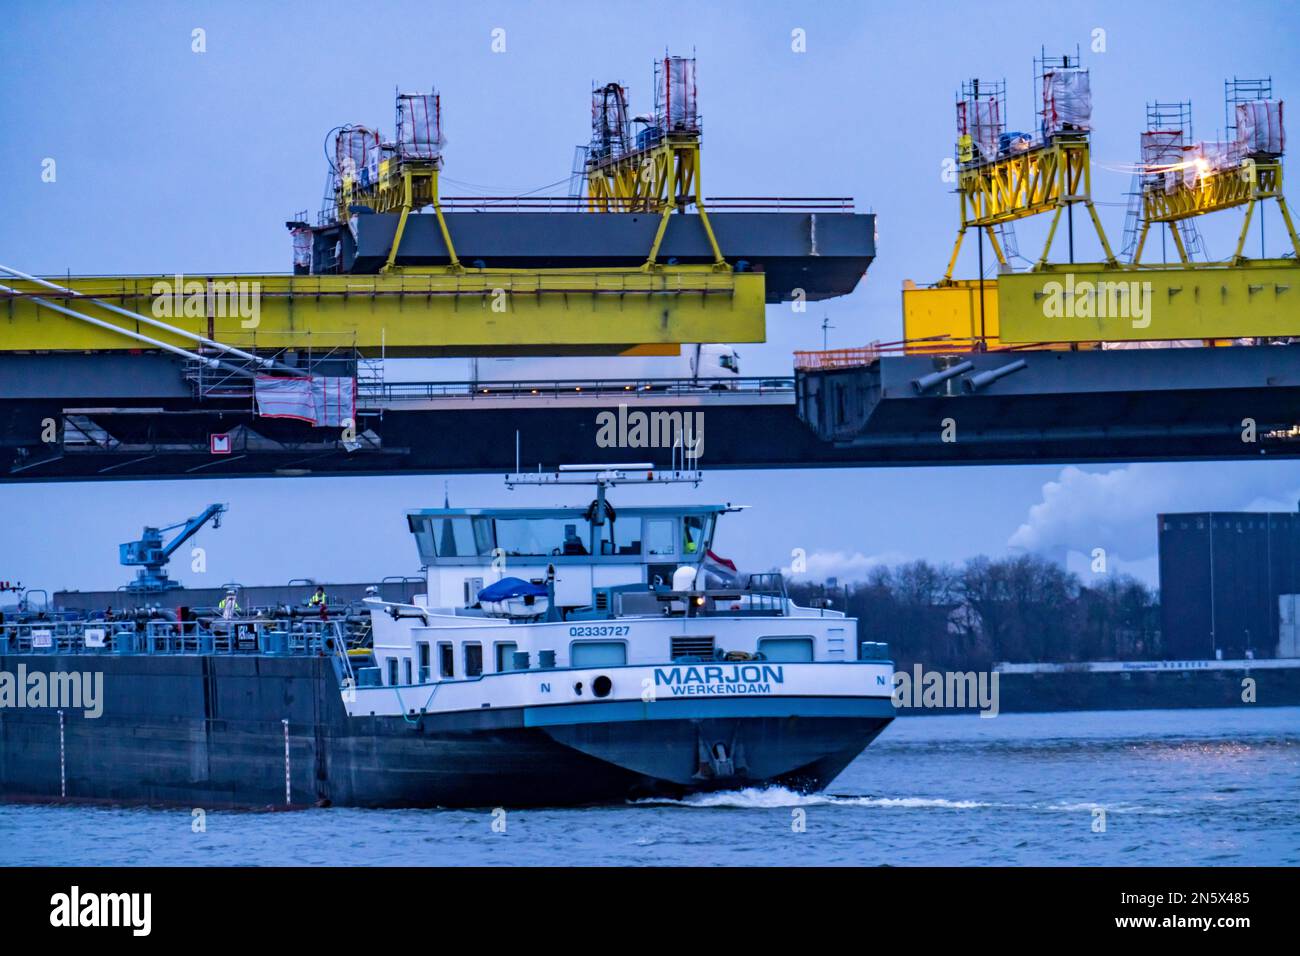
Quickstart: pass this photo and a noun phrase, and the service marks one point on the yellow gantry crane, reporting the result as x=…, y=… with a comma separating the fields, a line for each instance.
x=1004, y=176
x=399, y=177
x=1183, y=179
x=657, y=169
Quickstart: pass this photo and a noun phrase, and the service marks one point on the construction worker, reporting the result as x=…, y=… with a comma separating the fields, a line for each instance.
x=321, y=601
x=229, y=607
x=691, y=527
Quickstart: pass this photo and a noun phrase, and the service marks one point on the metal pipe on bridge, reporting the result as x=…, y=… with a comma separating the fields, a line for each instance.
x=137, y=317
x=976, y=382
x=146, y=340
x=927, y=382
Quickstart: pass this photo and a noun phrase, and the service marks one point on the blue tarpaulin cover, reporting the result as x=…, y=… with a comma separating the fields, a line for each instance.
x=509, y=588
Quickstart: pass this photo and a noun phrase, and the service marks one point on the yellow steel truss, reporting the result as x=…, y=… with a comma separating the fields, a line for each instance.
x=1046, y=178
x=1249, y=183
x=662, y=178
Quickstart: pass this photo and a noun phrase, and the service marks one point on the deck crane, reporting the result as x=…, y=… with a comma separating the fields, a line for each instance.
x=150, y=554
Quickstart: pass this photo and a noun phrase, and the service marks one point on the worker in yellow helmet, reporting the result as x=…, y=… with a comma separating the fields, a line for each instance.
x=320, y=601
x=229, y=606
x=690, y=526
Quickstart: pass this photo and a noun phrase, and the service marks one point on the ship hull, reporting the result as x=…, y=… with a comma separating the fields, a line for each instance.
x=210, y=732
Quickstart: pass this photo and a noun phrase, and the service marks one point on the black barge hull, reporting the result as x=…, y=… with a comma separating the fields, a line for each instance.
x=209, y=731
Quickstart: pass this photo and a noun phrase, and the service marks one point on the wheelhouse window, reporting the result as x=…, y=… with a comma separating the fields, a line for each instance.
x=446, y=661
x=453, y=536
x=695, y=534
x=551, y=537
x=659, y=536
x=392, y=672
x=621, y=536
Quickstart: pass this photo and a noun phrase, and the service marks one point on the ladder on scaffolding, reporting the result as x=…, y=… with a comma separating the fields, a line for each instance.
x=1133, y=222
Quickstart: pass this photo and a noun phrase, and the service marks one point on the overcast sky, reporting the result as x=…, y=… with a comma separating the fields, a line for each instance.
x=170, y=160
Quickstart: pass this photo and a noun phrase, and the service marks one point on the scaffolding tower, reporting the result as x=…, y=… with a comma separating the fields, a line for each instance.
x=1163, y=144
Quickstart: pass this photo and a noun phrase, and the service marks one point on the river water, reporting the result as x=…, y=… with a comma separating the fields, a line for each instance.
x=1190, y=787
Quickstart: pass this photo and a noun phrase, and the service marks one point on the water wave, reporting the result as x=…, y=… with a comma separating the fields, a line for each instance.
x=771, y=798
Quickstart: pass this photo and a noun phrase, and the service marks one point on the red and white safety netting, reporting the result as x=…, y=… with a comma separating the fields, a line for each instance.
x=323, y=401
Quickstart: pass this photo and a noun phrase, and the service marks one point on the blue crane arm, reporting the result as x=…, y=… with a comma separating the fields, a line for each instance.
x=190, y=528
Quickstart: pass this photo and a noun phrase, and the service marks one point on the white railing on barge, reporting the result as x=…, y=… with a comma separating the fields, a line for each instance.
x=217, y=636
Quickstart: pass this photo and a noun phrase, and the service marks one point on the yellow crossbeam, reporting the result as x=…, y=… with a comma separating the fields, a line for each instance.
x=1089, y=302
x=403, y=313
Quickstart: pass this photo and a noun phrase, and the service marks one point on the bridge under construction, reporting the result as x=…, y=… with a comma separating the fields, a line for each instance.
x=170, y=376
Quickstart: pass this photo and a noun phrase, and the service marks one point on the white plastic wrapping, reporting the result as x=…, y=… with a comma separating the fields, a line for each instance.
x=1161, y=148
x=981, y=119
x=356, y=153
x=1223, y=155
x=1259, y=127
x=419, y=125
x=1067, y=101
x=676, y=96
x=301, y=247
x=325, y=402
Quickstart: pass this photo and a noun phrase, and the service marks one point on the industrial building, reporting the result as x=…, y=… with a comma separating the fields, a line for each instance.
x=1229, y=584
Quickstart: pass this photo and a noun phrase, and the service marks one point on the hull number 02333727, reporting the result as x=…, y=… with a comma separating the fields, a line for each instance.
x=601, y=630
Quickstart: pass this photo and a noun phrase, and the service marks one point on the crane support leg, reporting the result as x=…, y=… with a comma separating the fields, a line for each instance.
x=1290, y=226
x=1101, y=234
x=952, y=260
x=1051, y=234
x=1245, y=228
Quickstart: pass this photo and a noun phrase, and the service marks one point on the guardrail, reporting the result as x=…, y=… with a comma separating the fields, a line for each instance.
x=837, y=358
x=216, y=636
x=583, y=204
x=396, y=392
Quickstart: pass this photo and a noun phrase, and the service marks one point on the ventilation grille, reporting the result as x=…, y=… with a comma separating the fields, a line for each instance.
x=602, y=600
x=698, y=647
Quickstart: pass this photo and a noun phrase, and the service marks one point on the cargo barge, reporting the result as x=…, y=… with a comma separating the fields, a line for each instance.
x=618, y=658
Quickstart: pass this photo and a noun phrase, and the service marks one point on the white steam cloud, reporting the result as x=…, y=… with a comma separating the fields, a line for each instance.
x=1116, y=510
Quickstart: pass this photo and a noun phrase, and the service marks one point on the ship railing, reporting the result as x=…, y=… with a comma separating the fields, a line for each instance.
x=765, y=599
x=59, y=637
x=585, y=204
x=311, y=637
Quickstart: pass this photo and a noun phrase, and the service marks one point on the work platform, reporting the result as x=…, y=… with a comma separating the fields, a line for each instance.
x=813, y=254
x=131, y=417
